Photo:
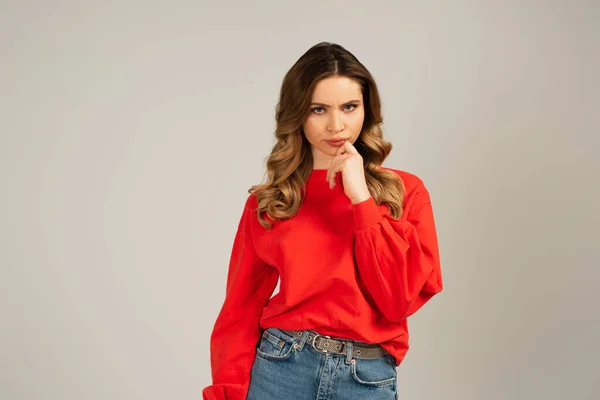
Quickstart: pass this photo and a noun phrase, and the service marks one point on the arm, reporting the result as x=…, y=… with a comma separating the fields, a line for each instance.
x=250, y=284
x=398, y=259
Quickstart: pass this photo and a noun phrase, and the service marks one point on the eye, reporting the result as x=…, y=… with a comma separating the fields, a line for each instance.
x=351, y=105
x=317, y=108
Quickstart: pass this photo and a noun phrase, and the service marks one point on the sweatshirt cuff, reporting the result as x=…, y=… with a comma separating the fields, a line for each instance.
x=366, y=213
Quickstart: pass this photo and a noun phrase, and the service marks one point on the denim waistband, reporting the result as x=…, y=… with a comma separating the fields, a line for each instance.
x=330, y=344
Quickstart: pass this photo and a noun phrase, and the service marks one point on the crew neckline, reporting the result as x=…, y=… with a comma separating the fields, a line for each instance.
x=319, y=175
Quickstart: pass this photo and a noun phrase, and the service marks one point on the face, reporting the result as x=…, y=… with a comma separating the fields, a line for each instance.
x=336, y=112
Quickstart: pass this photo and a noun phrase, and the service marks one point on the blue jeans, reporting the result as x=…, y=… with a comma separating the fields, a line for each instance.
x=287, y=367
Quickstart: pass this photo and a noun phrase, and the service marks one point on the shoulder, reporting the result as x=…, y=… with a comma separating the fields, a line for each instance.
x=412, y=183
x=251, y=203
x=415, y=192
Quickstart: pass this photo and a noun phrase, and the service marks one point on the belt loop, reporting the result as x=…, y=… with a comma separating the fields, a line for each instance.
x=349, y=352
x=303, y=339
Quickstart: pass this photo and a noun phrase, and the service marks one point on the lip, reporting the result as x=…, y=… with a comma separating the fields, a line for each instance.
x=336, y=143
x=337, y=140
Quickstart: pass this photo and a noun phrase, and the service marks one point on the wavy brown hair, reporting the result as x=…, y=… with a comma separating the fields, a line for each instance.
x=290, y=163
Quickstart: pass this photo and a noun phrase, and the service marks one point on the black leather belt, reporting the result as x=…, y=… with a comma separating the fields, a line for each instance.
x=326, y=344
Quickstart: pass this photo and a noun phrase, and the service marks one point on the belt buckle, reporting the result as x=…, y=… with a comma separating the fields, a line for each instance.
x=315, y=339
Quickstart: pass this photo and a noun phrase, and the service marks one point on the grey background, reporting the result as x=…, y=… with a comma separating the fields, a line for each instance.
x=130, y=132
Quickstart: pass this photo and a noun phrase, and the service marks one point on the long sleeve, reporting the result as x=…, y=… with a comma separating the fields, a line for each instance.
x=398, y=259
x=250, y=284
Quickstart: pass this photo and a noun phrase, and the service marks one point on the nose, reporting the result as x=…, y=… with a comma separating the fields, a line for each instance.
x=335, y=122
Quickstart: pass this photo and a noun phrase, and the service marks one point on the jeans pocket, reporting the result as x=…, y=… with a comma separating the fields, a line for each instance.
x=377, y=372
x=275, y=345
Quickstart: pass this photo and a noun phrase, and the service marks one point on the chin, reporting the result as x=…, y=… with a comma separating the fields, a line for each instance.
x=329, y=152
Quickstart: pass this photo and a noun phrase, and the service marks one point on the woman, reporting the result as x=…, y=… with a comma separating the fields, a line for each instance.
x=353, y=244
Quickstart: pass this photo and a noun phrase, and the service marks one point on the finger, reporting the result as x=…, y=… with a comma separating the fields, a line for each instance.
x=329, y=169
x=331, y=173
x=349, y=147
x=337, y=166
x=334, y=160
x=342, y=149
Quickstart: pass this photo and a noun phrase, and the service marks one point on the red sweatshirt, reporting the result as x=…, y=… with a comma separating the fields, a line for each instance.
x=346, y=270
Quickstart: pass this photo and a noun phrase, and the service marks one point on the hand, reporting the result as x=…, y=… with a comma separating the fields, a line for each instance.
x=349, y=162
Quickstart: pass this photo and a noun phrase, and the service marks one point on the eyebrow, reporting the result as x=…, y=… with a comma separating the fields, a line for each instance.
x=327, y=105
